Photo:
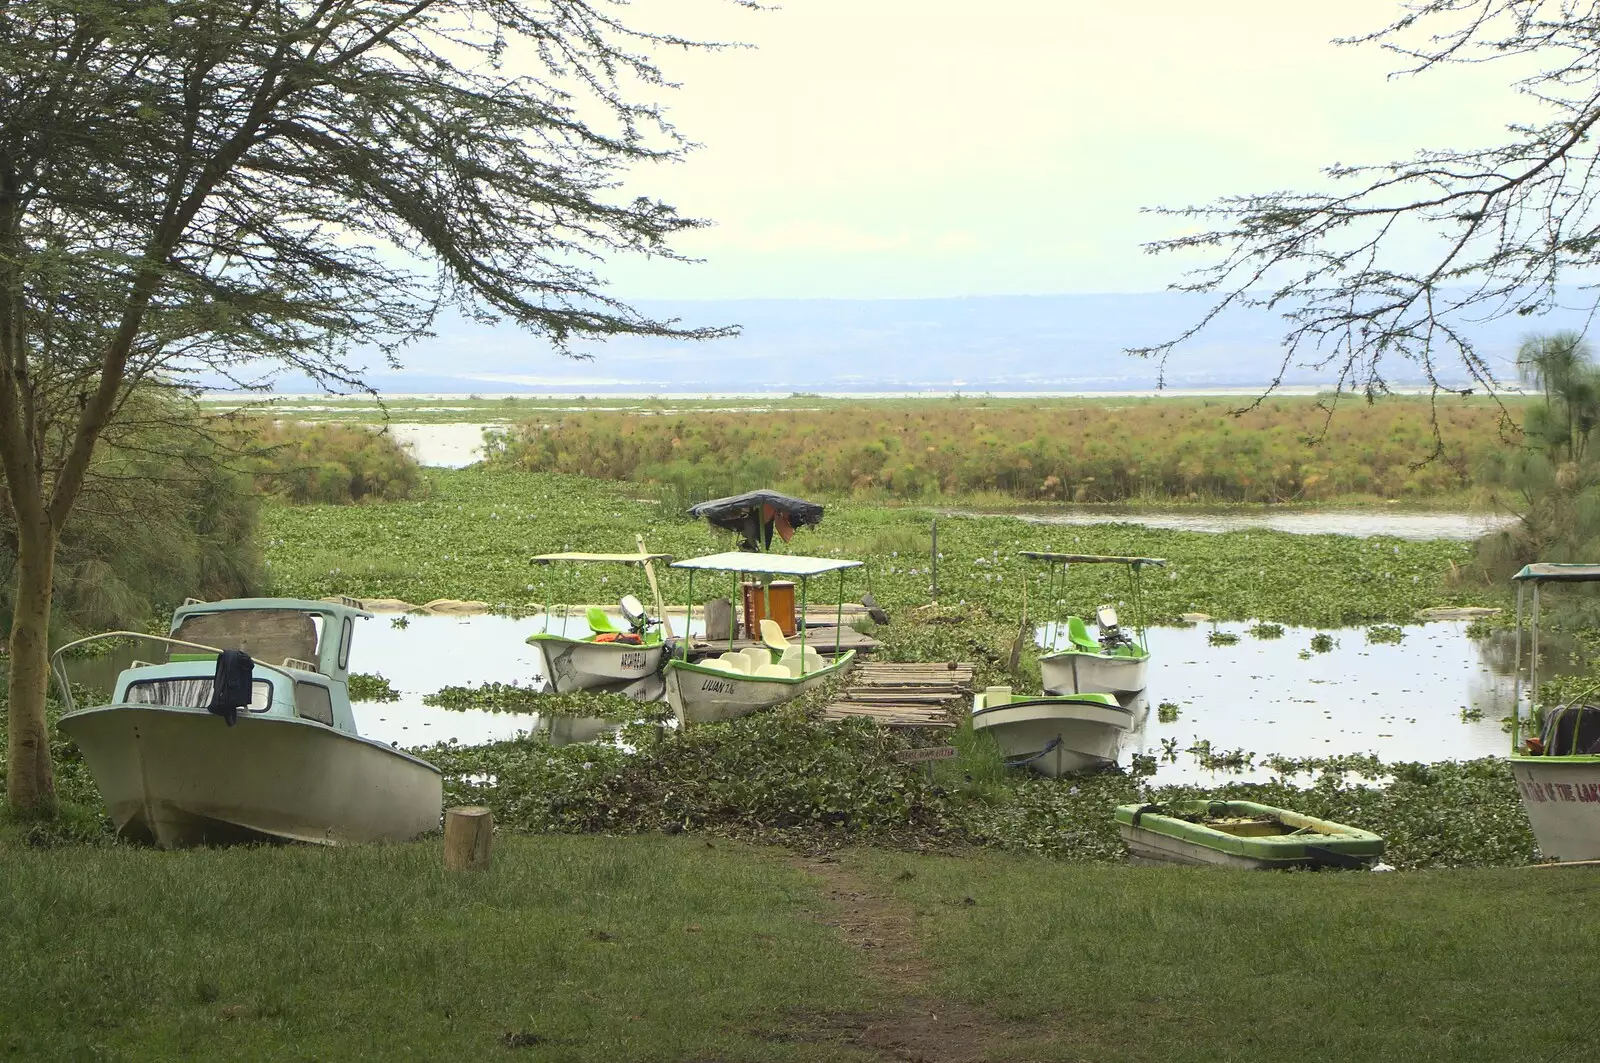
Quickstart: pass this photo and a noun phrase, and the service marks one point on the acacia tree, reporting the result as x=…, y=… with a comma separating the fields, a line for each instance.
x=219, y=186
x=1391, y=262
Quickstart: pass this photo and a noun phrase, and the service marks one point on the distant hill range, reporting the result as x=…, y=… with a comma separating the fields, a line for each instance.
x=1047, y=343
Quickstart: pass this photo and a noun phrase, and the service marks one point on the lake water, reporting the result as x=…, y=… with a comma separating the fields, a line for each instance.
x=1436, y=695
x=1361, y=523
x=445, y=446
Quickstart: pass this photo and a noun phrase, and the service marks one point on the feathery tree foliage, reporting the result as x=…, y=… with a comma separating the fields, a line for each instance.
x=1553, y=480
x=168, y=510
x=195, y=188
x=1496, y=226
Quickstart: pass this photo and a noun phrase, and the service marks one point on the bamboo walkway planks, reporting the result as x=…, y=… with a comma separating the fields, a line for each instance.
x=905, y=695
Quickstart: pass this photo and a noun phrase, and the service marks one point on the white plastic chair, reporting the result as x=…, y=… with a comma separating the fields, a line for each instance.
x=757, y=656
x=772, y=635
x=737, y=661
x=774, y=671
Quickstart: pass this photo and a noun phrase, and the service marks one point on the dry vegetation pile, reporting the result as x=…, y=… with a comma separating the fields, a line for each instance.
x=1080, y=451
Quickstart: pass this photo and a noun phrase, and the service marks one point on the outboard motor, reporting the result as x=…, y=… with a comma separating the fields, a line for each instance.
x=633, y=612
x=1111, y=636
x=1572, y=729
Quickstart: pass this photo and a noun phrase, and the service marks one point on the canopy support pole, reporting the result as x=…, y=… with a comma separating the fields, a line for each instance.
x=838, y=623
x=688, y=618
x=1533, y=658
x=1516, y=683
x=805, y=581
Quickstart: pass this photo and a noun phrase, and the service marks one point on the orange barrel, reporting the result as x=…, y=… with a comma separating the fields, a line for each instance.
x=781, y=596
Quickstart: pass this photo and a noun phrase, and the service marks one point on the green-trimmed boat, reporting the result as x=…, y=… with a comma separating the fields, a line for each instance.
x=780, y=670
x=1053, y=735
x=1111, y=662
x=608, y=658
x=1242, y=835
x=1555, y=755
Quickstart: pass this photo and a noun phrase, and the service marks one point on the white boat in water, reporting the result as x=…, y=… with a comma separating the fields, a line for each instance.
x=292, y=766
x=1112, y=661
x=757, y=677
x=1555, y=760
x=1053, y=735
x=611, y=659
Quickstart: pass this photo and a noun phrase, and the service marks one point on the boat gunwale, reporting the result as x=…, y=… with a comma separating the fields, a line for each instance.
x=1059, y=699
x=700, y=669
x=256, y=716
x=1073, y=651
x=1557, y=758
x=1348, y=840
x=551, y=636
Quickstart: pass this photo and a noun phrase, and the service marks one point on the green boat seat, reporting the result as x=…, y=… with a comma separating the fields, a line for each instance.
x=599, y=622
x=1078, y=633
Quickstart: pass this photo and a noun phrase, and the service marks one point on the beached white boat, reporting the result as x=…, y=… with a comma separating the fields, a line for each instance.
x=608, y=658
x=1109, y=662
x=1092, y=671
x=294, y=767
x=1054, y=735
x=755, y=678
x=1557, y=767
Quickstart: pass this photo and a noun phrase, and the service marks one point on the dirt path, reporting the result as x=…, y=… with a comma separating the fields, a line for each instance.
x=920, y=1027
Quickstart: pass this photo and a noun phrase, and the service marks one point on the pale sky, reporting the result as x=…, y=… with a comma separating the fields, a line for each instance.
x=914, y=148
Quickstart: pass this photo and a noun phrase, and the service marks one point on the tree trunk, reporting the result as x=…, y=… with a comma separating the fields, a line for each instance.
x=468, y=837
x=30, y=780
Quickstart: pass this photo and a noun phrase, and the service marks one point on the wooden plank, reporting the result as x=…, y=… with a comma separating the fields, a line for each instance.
x=909, y=694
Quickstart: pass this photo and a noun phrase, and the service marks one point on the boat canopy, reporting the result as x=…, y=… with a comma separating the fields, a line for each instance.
x=1551, y=572
x=756, y=514
x=619, y=559
x=767, y=564
x=1098, y=559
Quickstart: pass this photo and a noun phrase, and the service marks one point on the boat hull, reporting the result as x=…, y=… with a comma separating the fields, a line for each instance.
x=705, y=695
x=1075, y=672
x=576, y=664
x=1153, y=837
x=182, y=777
x=1562, y=798
x=1087, y=735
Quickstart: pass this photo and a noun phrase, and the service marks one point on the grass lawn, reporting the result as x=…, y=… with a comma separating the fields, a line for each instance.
x=665, y=948
x=580, y=948
x=1180, y=966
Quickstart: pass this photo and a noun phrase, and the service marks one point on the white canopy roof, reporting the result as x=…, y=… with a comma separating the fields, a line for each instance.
x=767, y=564
x=1092, y=559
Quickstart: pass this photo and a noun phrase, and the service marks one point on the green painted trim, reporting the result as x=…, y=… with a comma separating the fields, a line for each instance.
x=1564, y=758
x=1349, y=841
x=651, y=639
x=1142, y=655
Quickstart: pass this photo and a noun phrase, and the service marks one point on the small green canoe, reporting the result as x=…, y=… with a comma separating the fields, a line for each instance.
x=1241, y=834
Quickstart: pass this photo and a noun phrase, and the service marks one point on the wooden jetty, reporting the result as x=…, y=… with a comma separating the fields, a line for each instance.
x=820, y=636
x=905, y=695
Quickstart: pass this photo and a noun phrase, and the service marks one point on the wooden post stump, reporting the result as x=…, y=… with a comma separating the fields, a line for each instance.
x=719, y=619
x=468, y=834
